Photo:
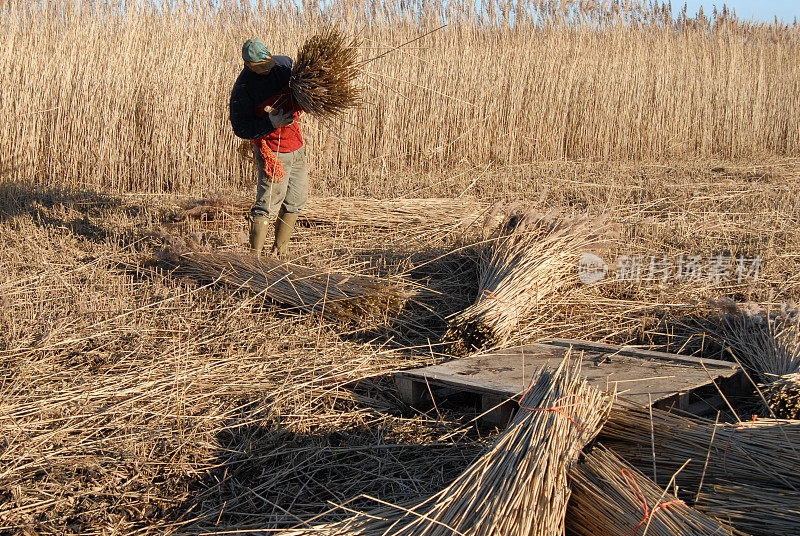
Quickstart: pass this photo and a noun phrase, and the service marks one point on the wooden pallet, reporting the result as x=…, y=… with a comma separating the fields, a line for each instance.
x=498, y=378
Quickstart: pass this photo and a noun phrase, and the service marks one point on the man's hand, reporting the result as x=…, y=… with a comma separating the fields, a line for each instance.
x=279, y=118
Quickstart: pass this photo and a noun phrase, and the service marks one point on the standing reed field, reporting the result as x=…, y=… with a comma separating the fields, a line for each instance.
x=133, y=96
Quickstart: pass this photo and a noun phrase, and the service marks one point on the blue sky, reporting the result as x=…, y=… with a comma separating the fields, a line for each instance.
x=761, y=10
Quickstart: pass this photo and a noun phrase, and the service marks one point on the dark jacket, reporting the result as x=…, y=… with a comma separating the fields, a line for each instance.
x=253, y=90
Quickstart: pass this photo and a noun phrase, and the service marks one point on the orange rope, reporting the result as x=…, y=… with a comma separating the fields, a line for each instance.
x=637, y=492
x=489, y=294
x=272, y=166
x=560, y=409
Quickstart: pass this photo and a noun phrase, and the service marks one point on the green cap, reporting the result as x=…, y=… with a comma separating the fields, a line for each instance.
x=255, y=51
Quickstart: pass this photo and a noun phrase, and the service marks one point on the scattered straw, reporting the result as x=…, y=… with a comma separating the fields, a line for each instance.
x=334, y=295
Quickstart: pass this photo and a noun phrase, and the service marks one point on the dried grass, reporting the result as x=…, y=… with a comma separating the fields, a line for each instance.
x=336, y=296
x=421, y=216
x=524, y=269
x=137, y=402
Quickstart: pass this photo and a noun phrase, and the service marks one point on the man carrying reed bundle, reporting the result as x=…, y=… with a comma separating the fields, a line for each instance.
x=263, y=110
x=266, y=102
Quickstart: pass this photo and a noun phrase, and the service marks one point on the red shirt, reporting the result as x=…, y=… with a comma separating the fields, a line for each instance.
x=284, y=139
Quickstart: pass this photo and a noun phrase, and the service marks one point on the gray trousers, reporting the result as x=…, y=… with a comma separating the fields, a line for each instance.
x=291, y=193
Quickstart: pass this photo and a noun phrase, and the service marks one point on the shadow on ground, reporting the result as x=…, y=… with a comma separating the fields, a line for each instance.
x=265, y=476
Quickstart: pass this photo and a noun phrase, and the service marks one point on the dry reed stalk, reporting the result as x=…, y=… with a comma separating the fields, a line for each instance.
x=529, y=264
x=423, y=215
x=592, y=73
x=339, y=296
x=324, y=74
x=757, y=510
x=767, y=344
x=765, y=451
x=517, y=487
x=611, y=498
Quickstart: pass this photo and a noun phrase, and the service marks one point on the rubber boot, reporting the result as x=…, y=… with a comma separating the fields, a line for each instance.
x=284, y=226
x=258, y=233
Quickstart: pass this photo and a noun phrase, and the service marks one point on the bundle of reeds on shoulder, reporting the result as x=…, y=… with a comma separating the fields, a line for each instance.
x=517, y=487
x=323, y=80
x=767, y=343
x=355, y=298
x=530, y=261
x=612, y=498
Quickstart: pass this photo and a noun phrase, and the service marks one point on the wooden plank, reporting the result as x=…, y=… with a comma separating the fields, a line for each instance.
x=507, y=373
x=639, y=352
x=496, y=410
x=411, y=391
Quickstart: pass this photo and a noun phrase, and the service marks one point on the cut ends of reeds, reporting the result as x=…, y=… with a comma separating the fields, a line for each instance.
x=783, y=396
x=525, y=265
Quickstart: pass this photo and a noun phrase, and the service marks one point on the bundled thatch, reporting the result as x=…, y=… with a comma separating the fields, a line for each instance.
x=531, y=259
x=519, y=486
x=766, y=343
x=757, y=510
x=418, y=215
x=611, y=498
x=765, y=451
x=323, y=80
x=334, y=295
x=783, y=396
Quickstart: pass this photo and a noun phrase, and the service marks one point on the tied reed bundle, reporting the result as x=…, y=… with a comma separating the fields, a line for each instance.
x=767, y=343
x=324, y=74
x=766, y=451
x=783, y=396
x=779, y=510
x=520, y=485
x=612, y=498
x=336, y=296
x=531, y=260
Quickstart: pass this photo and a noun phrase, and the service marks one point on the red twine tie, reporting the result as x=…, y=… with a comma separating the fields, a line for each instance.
x=558, y=409
x=491, y=295
x=637, y=492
